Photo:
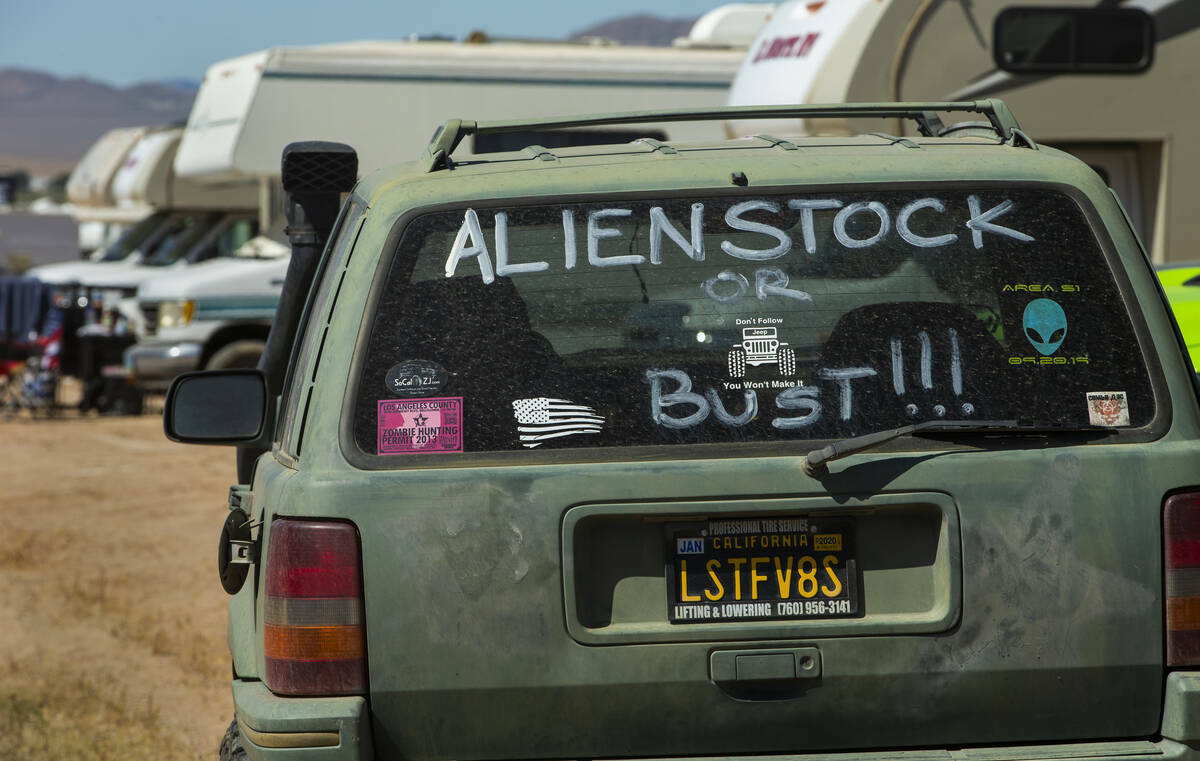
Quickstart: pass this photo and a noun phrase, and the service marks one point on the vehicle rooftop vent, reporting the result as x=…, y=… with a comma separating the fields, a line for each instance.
x=319, y=166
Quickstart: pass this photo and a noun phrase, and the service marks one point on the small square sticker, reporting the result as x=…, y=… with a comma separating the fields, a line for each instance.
x=1108, y=408
x=420, y=426
x=689, y=546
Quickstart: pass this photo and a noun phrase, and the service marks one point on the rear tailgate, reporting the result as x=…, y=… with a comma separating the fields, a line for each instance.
x=1019, y=609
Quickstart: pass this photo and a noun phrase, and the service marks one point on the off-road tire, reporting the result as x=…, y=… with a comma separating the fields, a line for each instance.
x=237, y=355
x=787, y=362
x=737, y=363
x=231, y=744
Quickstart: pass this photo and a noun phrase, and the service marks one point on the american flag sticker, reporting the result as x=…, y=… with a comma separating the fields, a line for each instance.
x=542, y=418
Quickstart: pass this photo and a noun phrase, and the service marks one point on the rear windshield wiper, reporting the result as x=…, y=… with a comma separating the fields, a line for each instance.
x=814, y=464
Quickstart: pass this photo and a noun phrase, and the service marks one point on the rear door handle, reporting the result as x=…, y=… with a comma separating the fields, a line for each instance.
x=765, y=673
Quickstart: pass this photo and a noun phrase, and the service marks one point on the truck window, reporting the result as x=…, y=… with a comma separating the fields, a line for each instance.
x=722, y=320
x=234, y=235
x=132, y=238
x=185, y=232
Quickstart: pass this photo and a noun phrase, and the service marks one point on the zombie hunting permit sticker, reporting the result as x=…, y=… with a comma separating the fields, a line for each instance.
x=415, y=377
x=1108, y=408
x=420, y=426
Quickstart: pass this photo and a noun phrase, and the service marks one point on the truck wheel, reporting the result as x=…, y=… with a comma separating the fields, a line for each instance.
x=238, y=355
x=787, y=362
x=231, y=744
x=737, y=363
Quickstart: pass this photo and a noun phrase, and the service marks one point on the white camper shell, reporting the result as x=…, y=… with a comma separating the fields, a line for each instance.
x=89, y=187
x=385, y=99
x=1137, y=131
x=147, y=181
x=734, y=25
x=90, y=183
x=142, y=196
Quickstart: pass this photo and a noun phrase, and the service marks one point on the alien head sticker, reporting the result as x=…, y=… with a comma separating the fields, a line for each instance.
x=1045, y=325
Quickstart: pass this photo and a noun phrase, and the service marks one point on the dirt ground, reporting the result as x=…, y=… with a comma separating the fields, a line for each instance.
x=112, y=619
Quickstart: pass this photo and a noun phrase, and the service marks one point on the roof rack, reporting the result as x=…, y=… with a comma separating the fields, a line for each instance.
x=925, y=114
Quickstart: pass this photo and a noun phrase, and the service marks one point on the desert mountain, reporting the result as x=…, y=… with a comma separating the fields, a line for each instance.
x=642, y=29
x=47, y=123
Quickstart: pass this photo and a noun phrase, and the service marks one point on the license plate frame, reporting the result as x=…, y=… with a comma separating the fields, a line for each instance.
x=777, y=568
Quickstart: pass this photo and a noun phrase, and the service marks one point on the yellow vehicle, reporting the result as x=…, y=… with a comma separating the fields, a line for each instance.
x=1181, y=283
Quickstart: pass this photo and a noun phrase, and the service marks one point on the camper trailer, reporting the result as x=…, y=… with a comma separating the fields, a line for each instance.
x=90, y=191
x=1135, y=130
x=145, y=196
x=381, y=97
x=175, y=222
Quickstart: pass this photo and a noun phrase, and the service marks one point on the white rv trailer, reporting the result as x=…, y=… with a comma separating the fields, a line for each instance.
x=147, y=181
x=89, y=187
x=141, y=196
x=734, y=25
x=386, y=99
x=1136, y=130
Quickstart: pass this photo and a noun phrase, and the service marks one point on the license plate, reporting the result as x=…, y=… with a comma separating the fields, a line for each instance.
x=761, y=569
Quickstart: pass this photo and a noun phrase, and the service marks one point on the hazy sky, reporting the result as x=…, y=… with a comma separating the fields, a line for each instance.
x=126, y=41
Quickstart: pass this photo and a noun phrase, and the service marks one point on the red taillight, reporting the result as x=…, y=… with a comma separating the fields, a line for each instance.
x=1181, y=539
x=313, y=633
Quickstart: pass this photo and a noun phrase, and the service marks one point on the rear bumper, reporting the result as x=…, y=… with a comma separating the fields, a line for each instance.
x=156, y=364
x=337, y=729
x=313, y=729
x=1163, y=750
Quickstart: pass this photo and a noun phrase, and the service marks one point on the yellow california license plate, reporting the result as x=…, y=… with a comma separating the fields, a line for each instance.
x=750, y=569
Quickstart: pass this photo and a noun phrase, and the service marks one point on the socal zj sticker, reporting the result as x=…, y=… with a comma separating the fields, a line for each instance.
x=1108, y=408
x=415, y=377
x=420, y=426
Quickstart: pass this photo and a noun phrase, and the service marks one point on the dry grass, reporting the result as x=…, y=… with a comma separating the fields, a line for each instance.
x=22, y=548
x=63, y=714
x=196, y=651
x=113, y=645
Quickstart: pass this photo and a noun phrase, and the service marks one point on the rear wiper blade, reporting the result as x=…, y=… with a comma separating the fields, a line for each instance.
x=814, y=464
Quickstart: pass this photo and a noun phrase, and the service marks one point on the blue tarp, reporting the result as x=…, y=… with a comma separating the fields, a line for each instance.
x=25, y=309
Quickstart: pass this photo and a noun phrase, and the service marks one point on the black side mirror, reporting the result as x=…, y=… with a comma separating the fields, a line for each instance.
x=1075, y=40
x=216, y=407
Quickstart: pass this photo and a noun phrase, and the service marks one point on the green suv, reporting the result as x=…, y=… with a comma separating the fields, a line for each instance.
x=512, y=487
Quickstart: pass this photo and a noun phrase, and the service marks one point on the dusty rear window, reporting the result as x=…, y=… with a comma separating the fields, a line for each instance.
x=737, y=319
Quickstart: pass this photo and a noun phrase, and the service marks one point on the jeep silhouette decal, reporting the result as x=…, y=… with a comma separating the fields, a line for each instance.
x=761, y=346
